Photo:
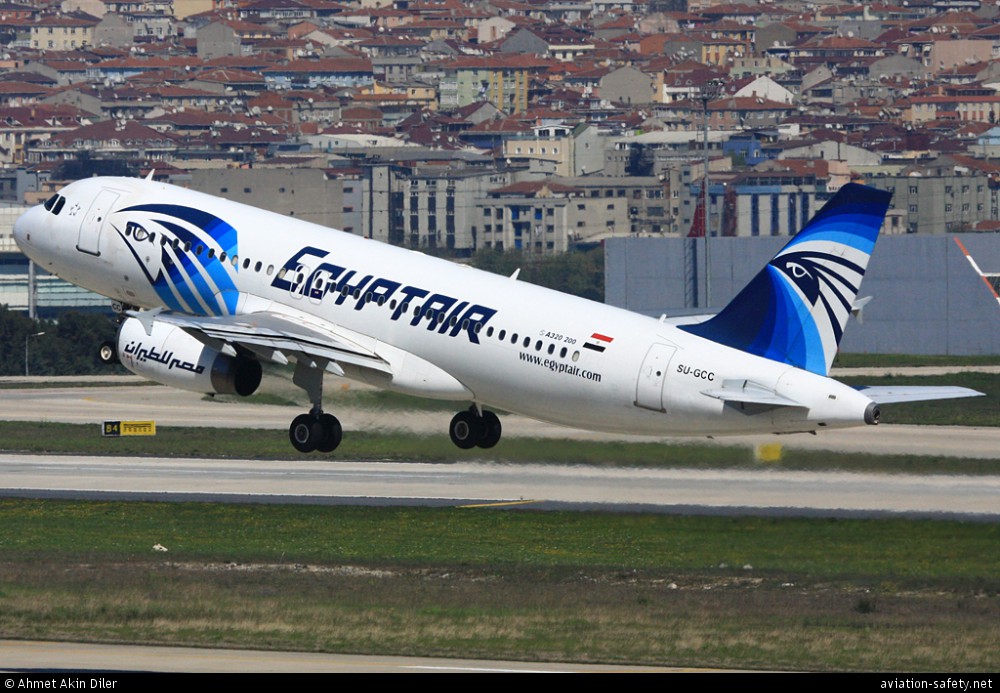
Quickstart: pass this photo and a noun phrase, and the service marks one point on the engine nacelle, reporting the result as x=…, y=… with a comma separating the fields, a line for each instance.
x=171, y=356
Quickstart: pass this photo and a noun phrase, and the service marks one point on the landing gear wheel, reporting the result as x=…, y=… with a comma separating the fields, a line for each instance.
x=333, y=433
x=491, y=430
x=107, y=353
x=305, y=432
x=313, y=431
x=466, y=429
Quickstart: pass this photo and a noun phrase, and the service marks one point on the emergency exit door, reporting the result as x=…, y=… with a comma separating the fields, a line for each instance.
x=652, y=375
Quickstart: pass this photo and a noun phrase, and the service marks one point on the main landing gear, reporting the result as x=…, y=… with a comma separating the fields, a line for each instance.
x=315, y=430
x=474, y=428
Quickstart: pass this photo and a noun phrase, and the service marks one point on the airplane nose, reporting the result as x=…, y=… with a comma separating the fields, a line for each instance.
x=23, y=226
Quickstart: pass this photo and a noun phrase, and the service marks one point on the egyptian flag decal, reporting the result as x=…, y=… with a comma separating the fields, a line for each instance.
x=598, y=342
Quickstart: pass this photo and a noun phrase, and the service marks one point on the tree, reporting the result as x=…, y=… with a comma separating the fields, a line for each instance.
x=68, y=347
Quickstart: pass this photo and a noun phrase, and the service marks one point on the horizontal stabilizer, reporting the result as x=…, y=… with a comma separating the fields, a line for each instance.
x=917, y=393
x=749, y=392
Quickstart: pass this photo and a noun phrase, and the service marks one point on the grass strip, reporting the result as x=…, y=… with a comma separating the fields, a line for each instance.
x=591, y=587
x=251, y=444
x=911, y=360
x=969, y=411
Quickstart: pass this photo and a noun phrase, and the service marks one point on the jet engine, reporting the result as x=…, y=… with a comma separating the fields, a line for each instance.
x=170, y=356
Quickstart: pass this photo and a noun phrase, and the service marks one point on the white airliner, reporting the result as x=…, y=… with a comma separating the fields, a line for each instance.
x=212, y=288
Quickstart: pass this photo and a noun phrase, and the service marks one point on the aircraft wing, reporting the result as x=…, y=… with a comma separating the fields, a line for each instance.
x=276, y=337
x=893, y=394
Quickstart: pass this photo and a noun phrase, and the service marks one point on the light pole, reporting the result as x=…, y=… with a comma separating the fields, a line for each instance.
x=709, y=91
x=26, y=338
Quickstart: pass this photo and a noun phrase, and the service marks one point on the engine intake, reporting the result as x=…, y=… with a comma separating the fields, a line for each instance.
x=170, y=356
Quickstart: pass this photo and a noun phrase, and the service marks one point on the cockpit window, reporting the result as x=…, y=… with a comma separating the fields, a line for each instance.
x=55, y=203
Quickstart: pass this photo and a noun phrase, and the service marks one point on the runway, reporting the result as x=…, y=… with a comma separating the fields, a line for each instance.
x=167, y=406
x=532, y=486
x=473, y=485
x=337, y=479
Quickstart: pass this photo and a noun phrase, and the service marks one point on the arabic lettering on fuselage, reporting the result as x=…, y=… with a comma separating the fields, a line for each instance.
x=445, y=314
x=141, y=353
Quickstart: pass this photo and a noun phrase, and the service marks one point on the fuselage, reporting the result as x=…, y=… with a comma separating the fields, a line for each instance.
x=506, y=343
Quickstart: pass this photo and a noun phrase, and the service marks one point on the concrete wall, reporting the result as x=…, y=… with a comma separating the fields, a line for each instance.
x=927, y=297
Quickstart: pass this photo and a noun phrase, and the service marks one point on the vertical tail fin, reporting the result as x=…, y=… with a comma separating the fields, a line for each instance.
x=795, y=309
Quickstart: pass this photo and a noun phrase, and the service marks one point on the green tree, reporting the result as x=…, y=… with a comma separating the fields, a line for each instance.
x=68, y=347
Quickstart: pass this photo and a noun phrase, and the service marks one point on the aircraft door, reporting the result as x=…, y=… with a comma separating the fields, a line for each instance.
x=652, y=375
x=93, y=222
x=299, y=281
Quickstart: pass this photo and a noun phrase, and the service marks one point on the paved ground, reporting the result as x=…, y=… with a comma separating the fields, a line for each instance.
x=168, y=406
x=323, y=480
x=103, y=662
